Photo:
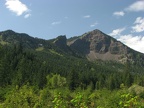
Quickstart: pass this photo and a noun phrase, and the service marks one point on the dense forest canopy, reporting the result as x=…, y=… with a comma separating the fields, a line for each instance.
x=49, y=75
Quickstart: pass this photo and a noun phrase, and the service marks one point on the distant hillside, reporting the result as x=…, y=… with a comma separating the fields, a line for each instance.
x=54, y=46
x=88, y=71
x=92, y=58
x=94, y=45
x=97, y=45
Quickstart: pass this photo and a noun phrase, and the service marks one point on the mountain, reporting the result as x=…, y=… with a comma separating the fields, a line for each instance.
x=97, y=45
x=90, y=62
x=45, y=73
x=93, y=45
x=11, y=37
x=34, y=44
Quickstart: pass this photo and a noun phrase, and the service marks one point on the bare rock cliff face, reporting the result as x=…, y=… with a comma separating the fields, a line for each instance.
x=92, y=45
x=97, y=45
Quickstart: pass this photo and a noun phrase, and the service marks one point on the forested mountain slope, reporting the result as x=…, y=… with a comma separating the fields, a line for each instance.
x=92, y=52
x=93, y=45
x=33, y=68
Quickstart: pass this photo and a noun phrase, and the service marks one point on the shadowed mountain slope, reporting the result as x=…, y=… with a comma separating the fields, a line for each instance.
x=93, y=45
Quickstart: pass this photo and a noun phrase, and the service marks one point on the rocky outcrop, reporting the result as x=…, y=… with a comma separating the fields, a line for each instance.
x=93, y=45
x=60, y=41
x=97, y=45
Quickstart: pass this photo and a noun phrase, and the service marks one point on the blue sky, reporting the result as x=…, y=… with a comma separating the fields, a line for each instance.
x=122, y=19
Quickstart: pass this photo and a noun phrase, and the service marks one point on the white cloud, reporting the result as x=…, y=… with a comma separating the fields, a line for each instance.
x=136, y=7
x=139, y=25
x=134, y=42
x=56, y=23
x=27, y=15
x=94, y=24
x=120, y=13
x=117, y=32
x=17, y=7
x=87, y=16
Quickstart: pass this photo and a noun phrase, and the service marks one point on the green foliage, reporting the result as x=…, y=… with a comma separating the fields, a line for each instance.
x=39, y=49
x=54, y=52
x=79, y=101
x=137, y=90
x=55, y=81
x=36, y=73
x=19, y=66
x=30, y=97
x=130, y=101
x=59, y=101
x=23, y=97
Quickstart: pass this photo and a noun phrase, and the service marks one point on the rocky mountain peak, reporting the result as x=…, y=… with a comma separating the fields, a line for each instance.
x=98, y=45
x=93, y=45
x=92, y=35
x=60, y=40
